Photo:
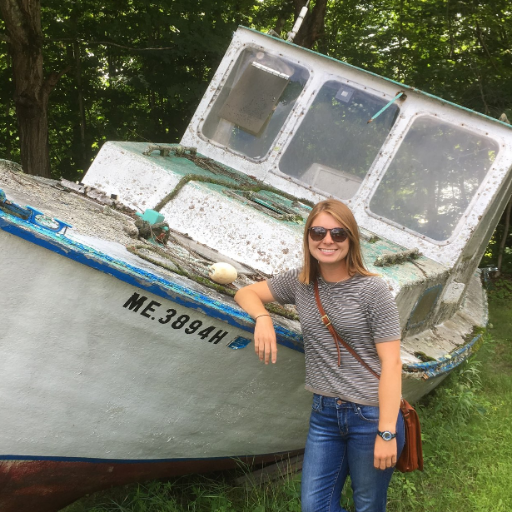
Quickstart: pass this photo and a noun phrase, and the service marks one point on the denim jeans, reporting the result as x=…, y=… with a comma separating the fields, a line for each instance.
x=341, y=442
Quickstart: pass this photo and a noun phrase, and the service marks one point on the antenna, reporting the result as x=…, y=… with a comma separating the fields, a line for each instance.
x=298, y=23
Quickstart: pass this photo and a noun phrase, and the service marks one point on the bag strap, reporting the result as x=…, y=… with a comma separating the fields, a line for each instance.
x=337, y=337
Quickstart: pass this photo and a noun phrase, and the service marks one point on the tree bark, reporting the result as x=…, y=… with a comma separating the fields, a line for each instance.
x=31, y=90
x=8, y=118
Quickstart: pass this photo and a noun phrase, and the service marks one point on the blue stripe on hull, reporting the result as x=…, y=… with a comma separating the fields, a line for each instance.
x=443, y=365
x=127, y=461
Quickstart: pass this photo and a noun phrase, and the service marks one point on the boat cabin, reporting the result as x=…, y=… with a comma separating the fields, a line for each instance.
x=415, y=169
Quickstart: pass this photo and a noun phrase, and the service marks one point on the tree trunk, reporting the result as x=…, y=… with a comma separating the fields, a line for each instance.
x=31, y=91
x=81, y=108
x=508, y=213
x=8, y=117
x=503, y=242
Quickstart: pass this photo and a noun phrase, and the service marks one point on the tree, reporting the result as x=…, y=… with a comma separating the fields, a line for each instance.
x=138, y=70
x=24, y=37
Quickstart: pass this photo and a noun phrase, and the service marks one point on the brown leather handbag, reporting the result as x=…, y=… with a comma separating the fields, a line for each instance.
x=411, y=458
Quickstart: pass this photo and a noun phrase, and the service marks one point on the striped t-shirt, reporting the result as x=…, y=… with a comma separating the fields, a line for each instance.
x=363, y=312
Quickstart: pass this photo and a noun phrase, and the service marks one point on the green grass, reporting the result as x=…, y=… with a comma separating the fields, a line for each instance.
x=467, y=431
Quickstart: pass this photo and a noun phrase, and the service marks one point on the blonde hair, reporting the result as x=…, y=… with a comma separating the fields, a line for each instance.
x=341, y=212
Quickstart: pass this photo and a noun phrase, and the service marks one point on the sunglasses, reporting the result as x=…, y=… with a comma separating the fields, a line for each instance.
x=318, y=233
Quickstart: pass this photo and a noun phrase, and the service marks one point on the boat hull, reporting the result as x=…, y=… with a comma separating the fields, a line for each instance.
x=104, y=371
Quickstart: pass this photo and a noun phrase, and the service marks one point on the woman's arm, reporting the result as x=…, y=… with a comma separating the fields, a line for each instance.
x=252, y=299
x=390, y=390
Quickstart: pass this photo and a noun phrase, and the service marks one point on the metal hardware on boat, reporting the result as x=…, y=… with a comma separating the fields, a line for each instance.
x=43, y=221
x=152, y=226
x=398, y=96
x=298, y=23
x=487, y=275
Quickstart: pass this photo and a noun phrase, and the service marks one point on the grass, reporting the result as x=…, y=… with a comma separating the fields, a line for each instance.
x=467, y=431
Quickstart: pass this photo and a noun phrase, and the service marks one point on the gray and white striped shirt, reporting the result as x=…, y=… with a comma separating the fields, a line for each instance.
x=363, y=312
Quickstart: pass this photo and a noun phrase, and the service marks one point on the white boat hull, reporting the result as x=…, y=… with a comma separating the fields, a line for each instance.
x=86, y=373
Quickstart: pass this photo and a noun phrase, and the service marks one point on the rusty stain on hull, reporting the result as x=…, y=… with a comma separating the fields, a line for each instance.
x=49, y=486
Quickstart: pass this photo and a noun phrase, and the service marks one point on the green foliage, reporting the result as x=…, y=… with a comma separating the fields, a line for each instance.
x=459, y=401
x=501, y=292
x=456, y=50
x=136, y=70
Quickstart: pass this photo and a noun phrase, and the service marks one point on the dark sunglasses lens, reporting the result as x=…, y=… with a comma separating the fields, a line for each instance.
x=317, y=233
x=338, y=235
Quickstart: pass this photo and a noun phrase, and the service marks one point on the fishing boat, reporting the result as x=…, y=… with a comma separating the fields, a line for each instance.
x=122, y=356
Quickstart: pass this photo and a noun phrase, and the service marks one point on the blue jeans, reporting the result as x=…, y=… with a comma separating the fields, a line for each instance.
x=340, y=442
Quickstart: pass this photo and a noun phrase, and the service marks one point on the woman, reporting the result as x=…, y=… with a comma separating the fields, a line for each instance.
x=355, y=427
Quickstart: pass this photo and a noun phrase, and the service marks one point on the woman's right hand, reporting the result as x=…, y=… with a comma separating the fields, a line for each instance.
x=252, y=299
x=265, y=344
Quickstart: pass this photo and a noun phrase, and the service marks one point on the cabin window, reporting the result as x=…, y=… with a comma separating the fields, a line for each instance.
x=254, y=103
x=335, y=146
x=433, y=177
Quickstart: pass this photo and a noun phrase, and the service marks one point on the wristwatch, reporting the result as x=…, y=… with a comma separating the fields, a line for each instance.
x=386, y=435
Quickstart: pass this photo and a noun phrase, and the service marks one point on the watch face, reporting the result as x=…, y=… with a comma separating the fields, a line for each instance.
x=386, y=435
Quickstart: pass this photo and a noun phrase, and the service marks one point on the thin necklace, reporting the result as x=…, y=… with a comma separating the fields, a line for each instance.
x=329, y=284
x=332, y=285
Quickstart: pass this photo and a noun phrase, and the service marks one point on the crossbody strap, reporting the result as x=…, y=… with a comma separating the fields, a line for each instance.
x=337, y=338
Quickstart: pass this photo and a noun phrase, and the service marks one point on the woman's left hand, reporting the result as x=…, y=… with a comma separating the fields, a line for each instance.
x=385, y=453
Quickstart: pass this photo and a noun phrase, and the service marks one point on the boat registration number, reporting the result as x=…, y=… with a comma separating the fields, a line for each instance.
x=152, y=310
